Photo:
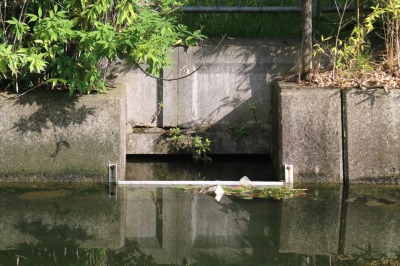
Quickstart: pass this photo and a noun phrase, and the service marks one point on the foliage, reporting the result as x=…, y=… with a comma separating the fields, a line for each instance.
x=253, y=110
x=263, y=192
x=387, y=12
x=262, y=25
x=352, y=55
x=250, y=192
x=198, y=145
x=240, y=131
x=72, y=42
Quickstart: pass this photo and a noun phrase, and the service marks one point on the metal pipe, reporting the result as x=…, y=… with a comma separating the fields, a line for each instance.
x=197, y=183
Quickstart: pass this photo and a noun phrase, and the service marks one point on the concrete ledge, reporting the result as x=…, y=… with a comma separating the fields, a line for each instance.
x=49, y=136
x=308, y=132
x=373, y=135
x=246, y=139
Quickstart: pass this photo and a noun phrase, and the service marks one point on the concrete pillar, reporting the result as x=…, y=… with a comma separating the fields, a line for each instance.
x=372, y=142
x=308, y=132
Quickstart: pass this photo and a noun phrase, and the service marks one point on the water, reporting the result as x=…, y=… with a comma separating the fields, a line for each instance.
x=225, y=167
x=65, y=224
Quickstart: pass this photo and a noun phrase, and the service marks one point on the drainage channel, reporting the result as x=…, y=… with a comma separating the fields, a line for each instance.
x=175, y=171
x=197, y=183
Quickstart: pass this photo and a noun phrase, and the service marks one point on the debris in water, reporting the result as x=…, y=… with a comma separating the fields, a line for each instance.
x=248, y=192
x=245, y=182
x=215, y=191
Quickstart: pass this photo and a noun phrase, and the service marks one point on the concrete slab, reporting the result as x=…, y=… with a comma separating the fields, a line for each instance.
x=49, y=136
x=308, y=132
x=373, y=135
x=244, y=139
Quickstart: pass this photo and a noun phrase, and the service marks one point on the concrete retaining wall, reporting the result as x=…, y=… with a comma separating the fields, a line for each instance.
x=308, y=133
x=227, y=97
x=308, y=125
x=373, y=135
x=214, y=100
x=49, y=136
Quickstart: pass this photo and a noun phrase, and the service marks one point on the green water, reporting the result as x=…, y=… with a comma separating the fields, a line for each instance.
x=82, y=225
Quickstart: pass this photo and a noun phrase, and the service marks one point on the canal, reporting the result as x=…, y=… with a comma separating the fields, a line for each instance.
x=95, y=224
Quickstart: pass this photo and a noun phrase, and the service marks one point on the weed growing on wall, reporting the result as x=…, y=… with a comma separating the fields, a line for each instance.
x=70, y=43
x=199, y=146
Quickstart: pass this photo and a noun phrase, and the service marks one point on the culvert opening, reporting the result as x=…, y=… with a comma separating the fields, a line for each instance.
x=185, y=168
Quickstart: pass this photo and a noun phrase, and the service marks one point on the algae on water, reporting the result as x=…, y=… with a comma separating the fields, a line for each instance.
x=252, y=192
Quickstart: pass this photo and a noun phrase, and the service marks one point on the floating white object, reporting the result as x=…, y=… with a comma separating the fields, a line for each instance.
x=216, y=191
x=288, y=174
x=245, y=181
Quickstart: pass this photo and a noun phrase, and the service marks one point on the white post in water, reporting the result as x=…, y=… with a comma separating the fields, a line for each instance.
x=289, y=174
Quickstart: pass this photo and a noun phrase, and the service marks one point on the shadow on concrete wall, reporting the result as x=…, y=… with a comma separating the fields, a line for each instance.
x=52, y=111
x=250, y=69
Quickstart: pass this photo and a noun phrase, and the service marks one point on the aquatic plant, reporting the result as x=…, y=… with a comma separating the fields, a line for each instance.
x=251, y=192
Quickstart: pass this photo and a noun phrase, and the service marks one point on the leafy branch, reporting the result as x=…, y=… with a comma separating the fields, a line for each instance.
x=71, y=44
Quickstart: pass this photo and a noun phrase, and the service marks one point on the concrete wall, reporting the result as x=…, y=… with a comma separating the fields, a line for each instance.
x=214, y=100
x=308, y=127
x=373, y=135
x=49, y=136
x=308, y=133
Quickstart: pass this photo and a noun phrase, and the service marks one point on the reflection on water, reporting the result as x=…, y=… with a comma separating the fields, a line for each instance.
x=81, y=225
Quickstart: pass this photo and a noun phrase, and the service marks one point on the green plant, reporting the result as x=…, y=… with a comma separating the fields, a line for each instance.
x=240, y=131
x=243, y=192
x=352, y=55
x=157, y=112
x=349, y=54
x=199, y=146
x=387, y=12
x=253, y=109
x=71, y=43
